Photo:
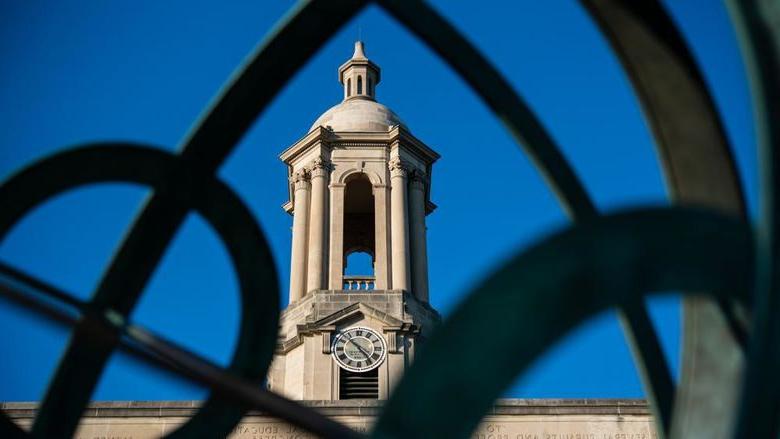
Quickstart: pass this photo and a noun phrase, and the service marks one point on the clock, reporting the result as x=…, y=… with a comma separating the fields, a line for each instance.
x=359, y=349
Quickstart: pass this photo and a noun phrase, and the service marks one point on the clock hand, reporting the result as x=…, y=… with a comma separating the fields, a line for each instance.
x=360, y=348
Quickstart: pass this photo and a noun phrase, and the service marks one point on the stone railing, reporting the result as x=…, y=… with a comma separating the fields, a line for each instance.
x=359, y=283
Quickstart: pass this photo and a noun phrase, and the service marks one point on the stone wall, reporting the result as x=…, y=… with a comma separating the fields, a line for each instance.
x=509, y=419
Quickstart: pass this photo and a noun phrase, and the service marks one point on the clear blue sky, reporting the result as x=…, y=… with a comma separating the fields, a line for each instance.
x=83, y=71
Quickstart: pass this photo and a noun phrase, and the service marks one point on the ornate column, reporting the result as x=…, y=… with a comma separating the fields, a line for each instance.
x=398, y=224
x=418, y=241
x=381, y=238
x=319, y=174
x=336, y=262
x=300, y=219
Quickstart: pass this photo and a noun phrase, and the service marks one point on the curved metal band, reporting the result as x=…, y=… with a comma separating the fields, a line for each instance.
x=284, y=51
x=62, y=308
x=525, y=127
x=590, y=267
x=757, y=26
x=175, y=183
x=699, y=170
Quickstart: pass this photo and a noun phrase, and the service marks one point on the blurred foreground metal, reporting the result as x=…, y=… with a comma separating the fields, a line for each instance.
x=730, y=273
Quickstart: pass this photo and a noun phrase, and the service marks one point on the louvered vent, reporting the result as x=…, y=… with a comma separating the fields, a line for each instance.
x=359, y=385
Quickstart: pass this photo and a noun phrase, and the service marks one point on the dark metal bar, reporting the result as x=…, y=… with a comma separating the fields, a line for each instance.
x=699, y=170
x=757, y=25
x=172, y=178
x=650, y=363
x=525, y=127
x=46, y=300
x=500, y=97
x=576, y=275
x=229, y=386
x=285, y=50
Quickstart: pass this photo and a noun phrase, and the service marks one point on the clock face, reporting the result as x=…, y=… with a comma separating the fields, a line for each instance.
x=359, y=349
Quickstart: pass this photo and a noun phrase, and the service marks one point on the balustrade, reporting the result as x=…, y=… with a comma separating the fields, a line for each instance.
x=359, y=283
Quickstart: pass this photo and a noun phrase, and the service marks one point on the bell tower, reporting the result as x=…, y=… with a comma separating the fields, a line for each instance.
x=359, y=181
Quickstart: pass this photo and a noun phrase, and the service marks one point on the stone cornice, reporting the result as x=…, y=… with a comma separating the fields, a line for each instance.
x=529, y=407
x=358, y=144
x=412, y=143
x=370, y=137
x=363, y=139
x=302, y=145
x=336, y=140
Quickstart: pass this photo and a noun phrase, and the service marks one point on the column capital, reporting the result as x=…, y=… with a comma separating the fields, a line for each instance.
x=398, y=167
x=300, y=179
x=319, y=167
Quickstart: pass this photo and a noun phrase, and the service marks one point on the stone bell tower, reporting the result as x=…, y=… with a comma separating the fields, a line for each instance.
x=359, y=181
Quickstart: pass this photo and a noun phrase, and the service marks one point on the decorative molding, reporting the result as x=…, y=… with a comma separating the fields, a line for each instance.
x=397, y=334
x=343, y=145
x=412, y=144
x=297, y=321
x=341, y=178
x=327, y=332
x=316, y=137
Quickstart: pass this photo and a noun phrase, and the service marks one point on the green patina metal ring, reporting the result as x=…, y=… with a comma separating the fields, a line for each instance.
x=544, y=292
x=178, y=185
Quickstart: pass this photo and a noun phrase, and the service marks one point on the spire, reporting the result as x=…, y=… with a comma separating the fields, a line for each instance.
x=359, y=54
x=359, y=75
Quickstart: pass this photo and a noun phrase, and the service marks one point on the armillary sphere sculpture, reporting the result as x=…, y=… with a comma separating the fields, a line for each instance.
x=598, y=262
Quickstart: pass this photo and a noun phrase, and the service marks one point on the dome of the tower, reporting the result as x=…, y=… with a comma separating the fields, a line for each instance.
x=360, y=115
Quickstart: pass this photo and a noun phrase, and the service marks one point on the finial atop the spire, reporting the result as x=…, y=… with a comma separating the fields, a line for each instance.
x=359, y=75
x=359, y=51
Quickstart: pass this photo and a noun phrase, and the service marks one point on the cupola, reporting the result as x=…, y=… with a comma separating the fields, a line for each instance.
x=359, y=75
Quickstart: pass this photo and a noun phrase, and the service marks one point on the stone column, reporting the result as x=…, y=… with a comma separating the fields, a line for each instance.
x=418, y=241
x=300, y=230
x=398, y=225
x=317, y=223
x=381, y=234
x=336, y=263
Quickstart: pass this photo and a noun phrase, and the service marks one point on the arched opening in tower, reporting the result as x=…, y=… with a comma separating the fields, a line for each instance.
x=359, y=250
